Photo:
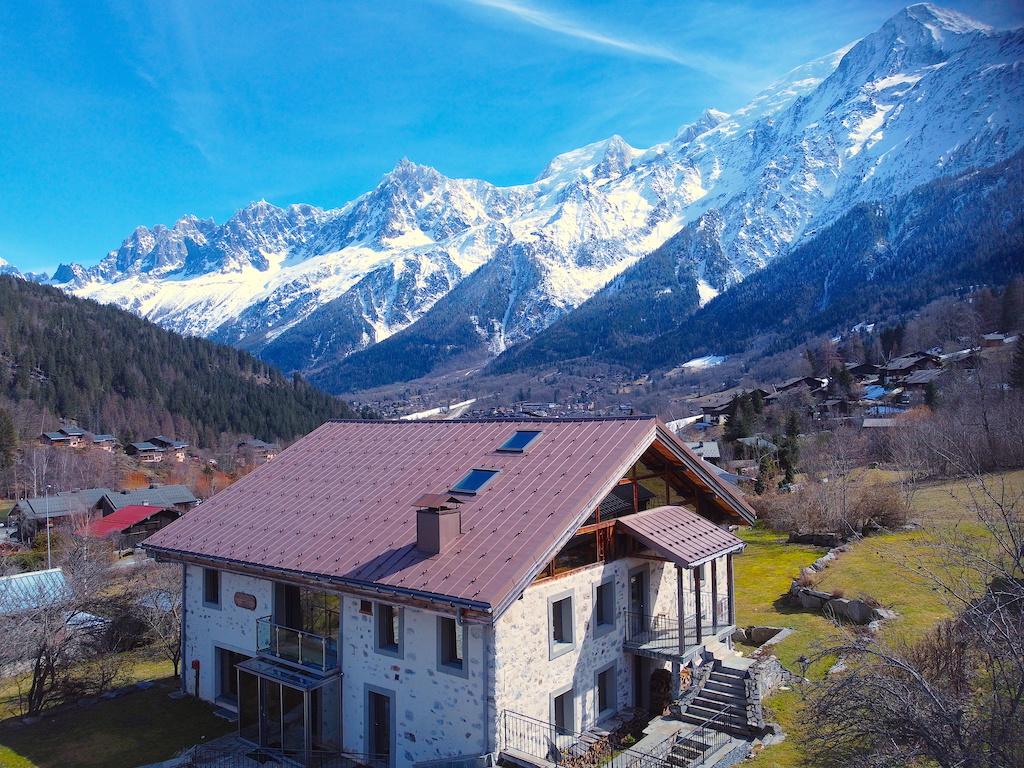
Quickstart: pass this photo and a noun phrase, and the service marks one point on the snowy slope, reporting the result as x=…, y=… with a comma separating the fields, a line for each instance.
x=931, y=93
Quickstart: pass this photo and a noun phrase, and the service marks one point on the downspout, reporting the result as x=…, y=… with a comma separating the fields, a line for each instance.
x=184, y=613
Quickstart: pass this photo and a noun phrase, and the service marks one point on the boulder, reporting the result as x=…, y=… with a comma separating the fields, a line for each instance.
x=761, y=635
x=882, y=614
x=856, y=611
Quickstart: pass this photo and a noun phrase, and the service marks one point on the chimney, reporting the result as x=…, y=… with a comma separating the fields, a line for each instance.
x=438, y=522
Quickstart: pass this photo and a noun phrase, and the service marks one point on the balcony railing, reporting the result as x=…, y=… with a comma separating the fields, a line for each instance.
x=662, y=634
x=559, y=745
x=296, y=646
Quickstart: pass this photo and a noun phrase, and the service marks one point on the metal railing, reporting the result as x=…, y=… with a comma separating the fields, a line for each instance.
x=562, y=746
x=297, y=646
x=697, y=746
x=659, y=632
x=262, y=757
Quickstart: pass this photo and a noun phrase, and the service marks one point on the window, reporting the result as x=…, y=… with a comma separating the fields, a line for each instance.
x=366, y=607
x=389, y=630
x=520, y=441
x=560, y=616
x=475, y=481
x=607, y=699
x=211, y=587
x=562, y=713
x=604, y=607
x=451, y=646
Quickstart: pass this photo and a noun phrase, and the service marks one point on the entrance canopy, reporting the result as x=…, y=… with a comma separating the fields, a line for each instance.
x=293, y=678
x=679, y=535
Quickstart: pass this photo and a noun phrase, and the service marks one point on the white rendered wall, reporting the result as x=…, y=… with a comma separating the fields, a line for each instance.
x=228, y=626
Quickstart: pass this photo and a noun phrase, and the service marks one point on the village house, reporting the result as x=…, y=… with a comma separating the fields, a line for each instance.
x=146, y=452
x=28, y=516
x=174, y=449
x=429, y=589
x=128, y=526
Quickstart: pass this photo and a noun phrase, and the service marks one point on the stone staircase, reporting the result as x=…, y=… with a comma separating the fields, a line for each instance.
x=725, y=689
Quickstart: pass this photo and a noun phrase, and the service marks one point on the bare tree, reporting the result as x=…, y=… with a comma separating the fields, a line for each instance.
x=157, y=590
x=955, y=697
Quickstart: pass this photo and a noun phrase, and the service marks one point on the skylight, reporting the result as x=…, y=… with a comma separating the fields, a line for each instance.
x=475, y=481
x=520, y=441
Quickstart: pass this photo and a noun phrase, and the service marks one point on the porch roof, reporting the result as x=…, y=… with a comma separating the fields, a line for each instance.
x=679, y=535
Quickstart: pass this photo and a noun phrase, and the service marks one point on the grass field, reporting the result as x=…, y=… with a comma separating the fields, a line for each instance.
x=882, y=566
x=137, y=728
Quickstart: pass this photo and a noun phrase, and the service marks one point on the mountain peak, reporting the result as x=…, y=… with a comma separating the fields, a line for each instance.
x=938, y=19
x=707, y=120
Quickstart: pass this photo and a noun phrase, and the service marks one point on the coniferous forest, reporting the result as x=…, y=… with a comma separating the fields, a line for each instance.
x=113, y=372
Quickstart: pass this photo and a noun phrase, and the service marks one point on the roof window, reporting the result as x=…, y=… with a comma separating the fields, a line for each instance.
x=520, y=440
x=475, y=481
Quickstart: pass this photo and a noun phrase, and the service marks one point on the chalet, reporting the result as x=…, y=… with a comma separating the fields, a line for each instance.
x=56, y=439
x=426, y=590
x=176, y=497
x=898, y=368
x=104, y=442
x=29, y=515
x=76, y=437
x=257, y=451
x=174, y=449
x=146, y=452
x=810, y=383
x=129, y=525
x=707, y=450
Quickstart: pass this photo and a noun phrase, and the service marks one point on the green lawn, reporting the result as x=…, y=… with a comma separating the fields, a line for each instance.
x=134, y=729
x=884, y=567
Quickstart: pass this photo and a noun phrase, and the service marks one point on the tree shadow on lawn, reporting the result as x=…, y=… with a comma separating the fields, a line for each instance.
x=135, y=728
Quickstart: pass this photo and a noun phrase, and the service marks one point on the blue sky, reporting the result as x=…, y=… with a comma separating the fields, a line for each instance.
x=126, y=112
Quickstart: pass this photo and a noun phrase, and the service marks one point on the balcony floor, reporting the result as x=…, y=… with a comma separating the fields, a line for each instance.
x=664, y=645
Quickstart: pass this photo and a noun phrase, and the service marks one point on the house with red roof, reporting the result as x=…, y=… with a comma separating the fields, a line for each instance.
x=129, y=525
x=430, y=590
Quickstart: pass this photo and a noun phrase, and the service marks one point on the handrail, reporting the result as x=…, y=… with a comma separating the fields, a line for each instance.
x=563, y=746
x=297, y=646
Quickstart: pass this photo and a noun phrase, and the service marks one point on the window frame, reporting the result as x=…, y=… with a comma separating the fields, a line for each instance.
x=448, y=633
x=387, y=619
x=605, y=712
x=558, y=704
x=563, y=604
x=215, y=574
x=605, y=617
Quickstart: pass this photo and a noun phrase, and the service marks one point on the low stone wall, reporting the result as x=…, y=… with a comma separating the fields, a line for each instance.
x=839, y=608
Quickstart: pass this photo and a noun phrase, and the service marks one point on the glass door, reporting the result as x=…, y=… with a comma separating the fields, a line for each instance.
x=283, y=717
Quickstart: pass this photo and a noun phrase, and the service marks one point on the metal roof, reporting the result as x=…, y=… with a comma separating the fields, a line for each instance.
x=124, y=518
x=339, y=504
x=682, y=536
x=28, y=591
x=164, y=495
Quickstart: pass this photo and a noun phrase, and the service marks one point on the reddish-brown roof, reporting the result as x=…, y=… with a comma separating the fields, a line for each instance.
x=339, y=503
x=124, y=518
x=680, y=535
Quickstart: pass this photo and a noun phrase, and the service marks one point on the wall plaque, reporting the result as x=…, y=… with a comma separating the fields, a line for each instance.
x=242, y=600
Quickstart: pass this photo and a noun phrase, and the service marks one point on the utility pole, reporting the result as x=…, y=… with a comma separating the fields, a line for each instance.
x=49, y=562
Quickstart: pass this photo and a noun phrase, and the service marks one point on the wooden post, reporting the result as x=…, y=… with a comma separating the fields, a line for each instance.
x=696, y=601
x=681, y=609
x=714, y=596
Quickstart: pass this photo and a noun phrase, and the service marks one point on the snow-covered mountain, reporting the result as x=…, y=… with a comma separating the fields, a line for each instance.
x=931, y=93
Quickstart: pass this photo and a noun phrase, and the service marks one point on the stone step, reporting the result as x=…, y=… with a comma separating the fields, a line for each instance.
x=721, y=675
x=722, y=697
x=728, y=690
x=733, y=727
x=732, y=707
x=707, y=710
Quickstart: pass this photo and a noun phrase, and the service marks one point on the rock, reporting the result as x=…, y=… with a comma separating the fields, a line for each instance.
x=856, y=611
x=761, y=635
x=740, y=636
x=822, y=562
x=827, y=540
x=838, y=668
x=874, y=626
x=882, y=614
x=809, y=600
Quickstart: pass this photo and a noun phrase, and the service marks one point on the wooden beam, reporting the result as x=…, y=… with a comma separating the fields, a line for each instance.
x=696, y=601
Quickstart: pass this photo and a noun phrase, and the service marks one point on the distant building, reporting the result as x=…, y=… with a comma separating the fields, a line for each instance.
x=146, y=452
x=174, y=449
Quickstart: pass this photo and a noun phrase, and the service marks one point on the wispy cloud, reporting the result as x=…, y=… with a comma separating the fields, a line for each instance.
x=564, y=25
x=555, y=23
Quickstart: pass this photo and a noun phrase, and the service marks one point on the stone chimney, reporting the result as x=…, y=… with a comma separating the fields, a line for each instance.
x=438, y=522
